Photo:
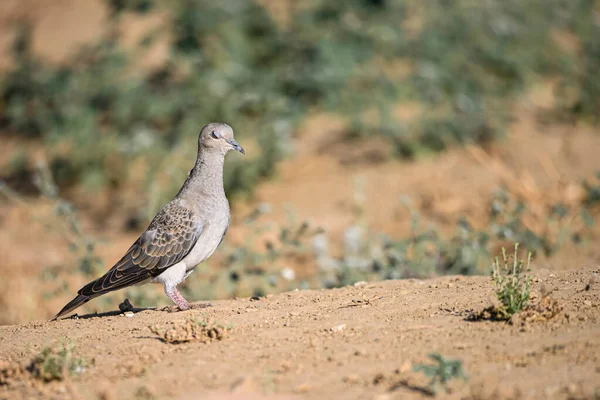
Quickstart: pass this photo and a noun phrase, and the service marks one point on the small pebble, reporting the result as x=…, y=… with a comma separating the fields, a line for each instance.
x=129, y=314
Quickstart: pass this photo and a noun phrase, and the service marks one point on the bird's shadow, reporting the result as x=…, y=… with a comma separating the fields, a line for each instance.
x=135, y=310
x=110, y=313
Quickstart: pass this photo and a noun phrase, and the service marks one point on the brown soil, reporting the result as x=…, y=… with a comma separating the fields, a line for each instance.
x=353, y=342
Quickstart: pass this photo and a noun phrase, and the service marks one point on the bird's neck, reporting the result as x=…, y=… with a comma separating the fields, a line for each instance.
x=206, y=178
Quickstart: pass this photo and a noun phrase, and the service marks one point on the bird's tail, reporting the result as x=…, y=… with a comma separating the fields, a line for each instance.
x=80, y=300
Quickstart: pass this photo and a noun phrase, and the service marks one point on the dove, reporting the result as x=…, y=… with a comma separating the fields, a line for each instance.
x=182, y=235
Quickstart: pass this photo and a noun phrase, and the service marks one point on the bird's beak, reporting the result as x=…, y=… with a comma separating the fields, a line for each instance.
x=236, y=146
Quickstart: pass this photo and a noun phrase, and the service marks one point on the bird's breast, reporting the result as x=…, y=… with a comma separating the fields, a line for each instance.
x=209, y=240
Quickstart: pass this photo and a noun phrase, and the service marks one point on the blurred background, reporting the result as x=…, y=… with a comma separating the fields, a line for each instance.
x=385, y=139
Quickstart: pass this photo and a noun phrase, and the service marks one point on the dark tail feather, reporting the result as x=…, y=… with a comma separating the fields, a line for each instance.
x=73, y=304
x=105, y=284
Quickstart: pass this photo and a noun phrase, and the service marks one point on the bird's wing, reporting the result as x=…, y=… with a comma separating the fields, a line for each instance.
x=169, y=238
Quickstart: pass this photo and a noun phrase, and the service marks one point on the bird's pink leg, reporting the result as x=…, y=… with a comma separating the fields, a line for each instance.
x=178, y=299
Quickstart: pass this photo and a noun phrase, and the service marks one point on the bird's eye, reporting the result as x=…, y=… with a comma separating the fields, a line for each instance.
x=214, y=135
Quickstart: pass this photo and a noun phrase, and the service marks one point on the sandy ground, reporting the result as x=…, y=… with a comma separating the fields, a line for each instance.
x=352, y=343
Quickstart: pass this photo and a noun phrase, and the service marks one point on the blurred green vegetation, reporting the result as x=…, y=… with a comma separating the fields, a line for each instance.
x=261, y=266
x=427, y=252
x=268, y=259
x=98, y=113
x=441, y=372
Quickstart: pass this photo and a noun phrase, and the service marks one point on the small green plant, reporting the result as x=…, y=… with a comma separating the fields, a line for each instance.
x=441, y=372
x=56, y=362
x=513, y=284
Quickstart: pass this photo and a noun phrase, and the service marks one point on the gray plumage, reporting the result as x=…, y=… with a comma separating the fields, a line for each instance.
x=183, y=234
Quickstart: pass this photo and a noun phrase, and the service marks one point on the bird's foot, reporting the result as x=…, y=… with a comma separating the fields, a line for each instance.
x=178, y=299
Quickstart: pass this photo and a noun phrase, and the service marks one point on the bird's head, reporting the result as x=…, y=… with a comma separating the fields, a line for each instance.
x=218, y=137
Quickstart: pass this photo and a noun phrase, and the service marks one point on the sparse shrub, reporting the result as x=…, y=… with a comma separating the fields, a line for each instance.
x=57, y=362
x=512, y=282
x=441, y=372
x=507, y=215
x=420, y=255
x=425, y=252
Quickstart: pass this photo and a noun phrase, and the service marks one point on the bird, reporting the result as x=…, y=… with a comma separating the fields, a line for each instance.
x=183, y=234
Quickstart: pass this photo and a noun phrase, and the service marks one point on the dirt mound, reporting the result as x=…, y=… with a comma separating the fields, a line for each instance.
x=192, y=330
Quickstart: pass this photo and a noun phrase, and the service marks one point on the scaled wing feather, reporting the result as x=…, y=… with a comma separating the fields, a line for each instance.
x=169, y=238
